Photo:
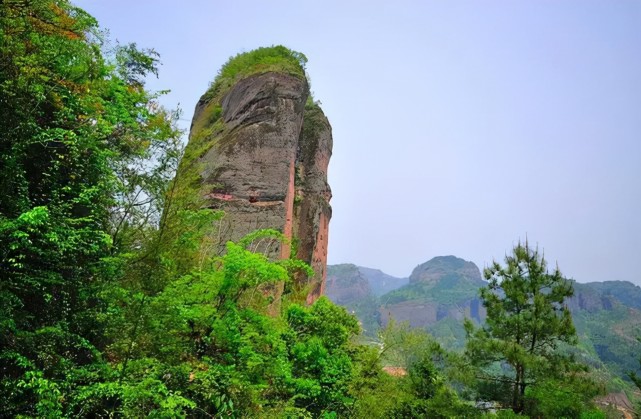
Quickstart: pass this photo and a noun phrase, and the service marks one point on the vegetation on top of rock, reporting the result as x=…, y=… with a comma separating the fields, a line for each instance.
x=445, y=262
x=208, y=127
x=435, y=268
x=443, y=279
x=261, y=60
x=448, y=290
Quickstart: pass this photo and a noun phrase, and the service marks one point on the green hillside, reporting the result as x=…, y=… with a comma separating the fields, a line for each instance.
x=606, y=315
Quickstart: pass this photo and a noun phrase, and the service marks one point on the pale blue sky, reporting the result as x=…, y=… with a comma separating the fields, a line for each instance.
x=459, y=126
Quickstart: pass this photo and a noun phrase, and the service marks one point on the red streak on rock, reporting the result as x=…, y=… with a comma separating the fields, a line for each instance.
x=395, y=371
x=319, y=258
x=221, y=196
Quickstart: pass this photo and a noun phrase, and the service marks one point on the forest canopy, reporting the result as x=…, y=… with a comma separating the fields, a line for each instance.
x=107, y=309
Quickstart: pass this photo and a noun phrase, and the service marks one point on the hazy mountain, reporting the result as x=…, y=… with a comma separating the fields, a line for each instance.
x=624, y=291
x=346, y=285
x=380, y=282
x=441, y=292
x=607, y=326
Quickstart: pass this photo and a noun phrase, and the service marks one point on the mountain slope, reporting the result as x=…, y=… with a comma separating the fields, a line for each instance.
x=445, y=287
x=443, y=291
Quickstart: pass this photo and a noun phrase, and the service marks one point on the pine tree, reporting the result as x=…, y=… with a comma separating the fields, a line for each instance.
x=526, y=322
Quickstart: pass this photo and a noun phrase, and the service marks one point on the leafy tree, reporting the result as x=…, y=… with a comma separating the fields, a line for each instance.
x=526, y=322
x=320, y=354
x=76, y=126
x=430, y=394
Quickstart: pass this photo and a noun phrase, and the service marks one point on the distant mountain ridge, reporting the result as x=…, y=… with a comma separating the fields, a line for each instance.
x=443, y=291
x=435, y=269
x=358, y=289
x=626, y=292
x=381, y=282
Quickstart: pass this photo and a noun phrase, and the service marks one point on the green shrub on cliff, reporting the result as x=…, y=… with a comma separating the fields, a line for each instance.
x=261, y=60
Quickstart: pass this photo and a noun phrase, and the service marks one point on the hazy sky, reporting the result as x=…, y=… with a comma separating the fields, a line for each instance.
x=459, y=127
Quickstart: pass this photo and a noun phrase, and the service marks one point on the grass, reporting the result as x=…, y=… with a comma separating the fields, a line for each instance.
x=261, y=60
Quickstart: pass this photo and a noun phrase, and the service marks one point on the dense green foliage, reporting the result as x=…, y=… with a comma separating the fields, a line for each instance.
x=418, y=384
x=635, y=376
x=114, y=299
x=83, y=150
x=607, y=337
x=261, y=60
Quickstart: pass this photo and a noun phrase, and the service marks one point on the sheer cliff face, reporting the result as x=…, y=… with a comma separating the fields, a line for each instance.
x=264, y=151
x=312, y=211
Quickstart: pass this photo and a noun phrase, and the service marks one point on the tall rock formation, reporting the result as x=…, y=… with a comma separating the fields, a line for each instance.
x=258, y=149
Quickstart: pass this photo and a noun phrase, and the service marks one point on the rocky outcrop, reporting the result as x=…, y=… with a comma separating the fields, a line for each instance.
x=441, y=266
x=624, y=291
x=350, y=286
x=589, y=299
x=618, y=401
x=443, y=288
x=416, y=313
x=259, y=150
x=425, y=314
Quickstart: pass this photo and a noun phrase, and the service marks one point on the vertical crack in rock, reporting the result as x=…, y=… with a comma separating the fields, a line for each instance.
x=285, y=250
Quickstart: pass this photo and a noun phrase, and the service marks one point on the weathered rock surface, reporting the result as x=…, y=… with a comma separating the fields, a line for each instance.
x=589, y=299
x=312, y=211
x=261, y=151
